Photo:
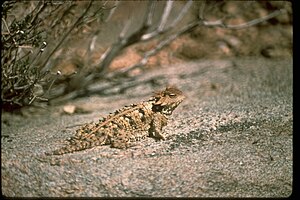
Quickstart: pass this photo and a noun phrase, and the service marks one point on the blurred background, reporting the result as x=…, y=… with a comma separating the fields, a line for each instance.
x=54, y=51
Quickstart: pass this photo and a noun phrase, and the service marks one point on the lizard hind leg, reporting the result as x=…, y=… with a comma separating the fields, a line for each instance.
x=122, y=140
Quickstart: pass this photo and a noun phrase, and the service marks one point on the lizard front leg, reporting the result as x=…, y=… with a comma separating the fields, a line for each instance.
x=158, y=122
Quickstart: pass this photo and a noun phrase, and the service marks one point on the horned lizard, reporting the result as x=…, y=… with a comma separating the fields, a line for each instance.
x=126, y=126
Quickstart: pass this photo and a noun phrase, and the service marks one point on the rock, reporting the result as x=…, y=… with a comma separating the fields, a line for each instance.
x=69, y=109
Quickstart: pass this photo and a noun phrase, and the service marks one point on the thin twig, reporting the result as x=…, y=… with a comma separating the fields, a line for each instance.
x=41, y=9
x=43, y=66
x=181, y=14
x=150, y=11
x=201, y=11
x=6, y=26
x=112, y=11
x=59, y=10
x=125, y=29
x=220, y=23
x=41, y=50
x=123, y=42
x=161, y=45
x=166, y=13
x=157, y=32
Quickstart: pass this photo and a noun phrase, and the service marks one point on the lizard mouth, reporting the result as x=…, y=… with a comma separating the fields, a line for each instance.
x=169, y=109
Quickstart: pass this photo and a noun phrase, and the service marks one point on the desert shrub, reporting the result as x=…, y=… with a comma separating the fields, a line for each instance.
x=32, y=32
x=20, y=77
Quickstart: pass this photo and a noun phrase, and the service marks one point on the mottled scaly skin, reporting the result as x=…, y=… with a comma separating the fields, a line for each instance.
x=125, y=126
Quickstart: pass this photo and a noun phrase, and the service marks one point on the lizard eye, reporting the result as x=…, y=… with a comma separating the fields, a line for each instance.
x=172, y=95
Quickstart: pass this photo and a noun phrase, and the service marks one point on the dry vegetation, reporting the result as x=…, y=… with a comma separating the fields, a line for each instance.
x=53, y=51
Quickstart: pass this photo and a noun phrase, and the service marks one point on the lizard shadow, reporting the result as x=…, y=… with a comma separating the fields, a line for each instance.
x=191, y=138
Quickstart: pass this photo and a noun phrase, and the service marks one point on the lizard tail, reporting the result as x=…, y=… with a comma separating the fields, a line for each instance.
x=78, y=145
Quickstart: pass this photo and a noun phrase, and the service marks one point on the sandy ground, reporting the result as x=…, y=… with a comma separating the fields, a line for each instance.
x=232, y=137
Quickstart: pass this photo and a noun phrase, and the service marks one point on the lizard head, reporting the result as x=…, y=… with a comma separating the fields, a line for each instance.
x=168, y=99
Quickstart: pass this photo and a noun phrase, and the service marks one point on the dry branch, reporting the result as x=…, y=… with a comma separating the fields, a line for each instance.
x=112, y=11
x=165, y=16
x=166, y=31
x=190, y=27
x=160, y=31
x=220, y=23
x=142, y=35
x=123, y=41
x=160, y=46
x=44, y=66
